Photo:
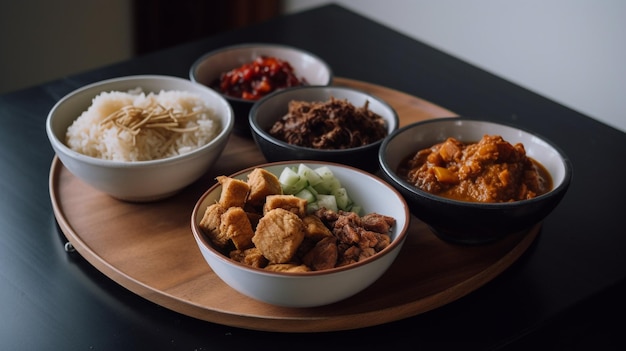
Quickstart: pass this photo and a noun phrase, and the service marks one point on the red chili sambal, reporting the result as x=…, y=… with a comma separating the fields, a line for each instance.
x=491, y=170
x=258, y=78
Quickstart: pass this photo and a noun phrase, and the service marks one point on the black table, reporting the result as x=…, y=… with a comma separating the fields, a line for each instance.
x=562, y=292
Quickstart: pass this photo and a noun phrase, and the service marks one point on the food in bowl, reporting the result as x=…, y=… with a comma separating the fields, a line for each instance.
x=332, y=124
x=256, y=223
x=270, y=109
x=207, y=69
x=490, y=170
x=262, y=76
x=310, y=288
x=139, y=181
x=474, y=222
x=134, y=126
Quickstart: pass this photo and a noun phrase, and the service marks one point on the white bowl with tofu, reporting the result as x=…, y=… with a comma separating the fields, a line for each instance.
x=269, y=245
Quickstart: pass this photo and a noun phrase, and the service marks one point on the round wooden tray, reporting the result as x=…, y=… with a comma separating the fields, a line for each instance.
x=149, y=249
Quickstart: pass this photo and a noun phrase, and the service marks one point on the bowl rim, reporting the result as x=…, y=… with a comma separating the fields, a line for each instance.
x=64, y=149
x=205, y=56
x=398, y=241
x=406, y=186
x=256, y=129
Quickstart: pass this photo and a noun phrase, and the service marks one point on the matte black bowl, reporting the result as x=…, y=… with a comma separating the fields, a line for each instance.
x=271, y=108
x=471, y=222
x=210, y=66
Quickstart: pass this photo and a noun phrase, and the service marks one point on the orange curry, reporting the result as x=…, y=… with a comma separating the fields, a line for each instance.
x=491, y=170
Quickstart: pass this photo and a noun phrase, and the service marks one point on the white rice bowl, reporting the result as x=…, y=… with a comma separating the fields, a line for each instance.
x=89, y=136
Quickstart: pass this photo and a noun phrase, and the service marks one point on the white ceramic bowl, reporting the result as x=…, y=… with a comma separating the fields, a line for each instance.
x=313, y=288
x=141, y=180
x=273, y=107
x=473, y=222
x=210, y=66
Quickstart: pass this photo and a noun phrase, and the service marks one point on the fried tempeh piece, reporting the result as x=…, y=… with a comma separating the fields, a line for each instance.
x=314, y=228
x=236, y=226
x=287, y=202
x=262, y=183
x=278, y=235
x=210, y=224
x=252, y=257
x=234, y=192
x=287, y=267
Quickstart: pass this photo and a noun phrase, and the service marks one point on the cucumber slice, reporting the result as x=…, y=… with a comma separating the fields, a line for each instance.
x=291, y=182
x=307, y=172
x=327, y=201
x=319, y=187
x=342, y=198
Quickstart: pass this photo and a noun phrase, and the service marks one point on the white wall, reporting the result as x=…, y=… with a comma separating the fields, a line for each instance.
x=572, y=51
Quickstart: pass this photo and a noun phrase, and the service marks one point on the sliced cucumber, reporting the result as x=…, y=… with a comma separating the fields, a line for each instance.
x=319, y=187
x=291, y=182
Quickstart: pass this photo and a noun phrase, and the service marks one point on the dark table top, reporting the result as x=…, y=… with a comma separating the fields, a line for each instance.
x=563, y=292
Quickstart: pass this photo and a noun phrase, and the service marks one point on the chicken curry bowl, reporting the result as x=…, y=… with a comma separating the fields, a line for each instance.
x=490, y=170
x=474, y=181
x=280, y=231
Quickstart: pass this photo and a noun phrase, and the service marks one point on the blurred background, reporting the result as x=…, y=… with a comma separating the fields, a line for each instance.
x=572, y=51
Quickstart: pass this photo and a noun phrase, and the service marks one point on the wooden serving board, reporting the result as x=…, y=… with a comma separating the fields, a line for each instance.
x=149, y=249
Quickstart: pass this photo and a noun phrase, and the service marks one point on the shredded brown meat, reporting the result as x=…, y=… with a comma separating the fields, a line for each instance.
x=334, y=124
x=357, y=238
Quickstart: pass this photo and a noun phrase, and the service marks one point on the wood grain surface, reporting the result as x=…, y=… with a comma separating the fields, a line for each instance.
x=149, y=249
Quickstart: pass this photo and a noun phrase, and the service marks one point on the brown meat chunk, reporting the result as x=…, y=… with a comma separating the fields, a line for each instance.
x=278, y=235
x=323, y=255
x=287, y=202
x=377, y=222
x=314, y=228
x=287, y=267
x=262, y=183
x=234, y=192
x=236, y=226
x=252, y=257
x=210, y=224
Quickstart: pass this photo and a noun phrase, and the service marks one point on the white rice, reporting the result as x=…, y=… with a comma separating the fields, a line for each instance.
x=87, y=136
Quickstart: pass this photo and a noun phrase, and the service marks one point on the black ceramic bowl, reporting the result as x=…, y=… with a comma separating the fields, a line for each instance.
x=473, y=222
x=210, y=66
x=272, y=108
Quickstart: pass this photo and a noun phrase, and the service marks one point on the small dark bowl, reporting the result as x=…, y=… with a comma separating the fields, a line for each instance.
x=209, y=67
x=271, y=108
x=470, y=222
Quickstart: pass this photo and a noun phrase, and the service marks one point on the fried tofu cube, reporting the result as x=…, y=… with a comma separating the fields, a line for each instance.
x=314, y=228
x=234, y=192
x=287, y=267
x=210, y=224
x=262, y=183
x=236, y=226
x=287, y=202
x=252, y=257
x=278, y=235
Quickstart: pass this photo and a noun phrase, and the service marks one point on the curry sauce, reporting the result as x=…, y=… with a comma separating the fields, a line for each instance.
x=490, y=170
